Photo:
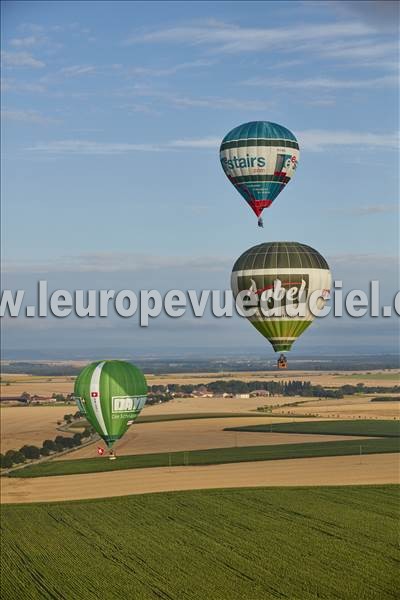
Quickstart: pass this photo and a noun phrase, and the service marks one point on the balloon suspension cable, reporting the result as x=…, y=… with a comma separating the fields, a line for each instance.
x=260, y=222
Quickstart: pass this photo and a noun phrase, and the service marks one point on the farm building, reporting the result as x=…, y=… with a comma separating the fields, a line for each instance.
x=256, y=393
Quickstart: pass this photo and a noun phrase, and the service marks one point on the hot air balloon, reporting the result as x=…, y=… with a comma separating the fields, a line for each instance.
x=280, y=278
x=259, y=158
x=111, y=394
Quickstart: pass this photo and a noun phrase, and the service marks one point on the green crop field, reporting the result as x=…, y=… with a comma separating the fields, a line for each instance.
x=382, y=428
x=210, y=457
x=247, y=544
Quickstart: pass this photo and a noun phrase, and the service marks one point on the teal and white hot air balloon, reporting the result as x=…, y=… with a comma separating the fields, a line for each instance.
x=259, y=158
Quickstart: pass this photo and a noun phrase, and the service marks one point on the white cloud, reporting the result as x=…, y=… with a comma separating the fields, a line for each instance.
x=180, y=101
x=25, y=42
x=21, y=59
x=86, y=147
x=113, y=262
x=324, y=83
x=207, y=142
x=27, y=116
x=311, y=140
x=141, y=108
x=77, y=70
x=167, y=71
x=328, y=101
x=362, y=211
x=219, y=103
x=31, y=28
x=318, y=139
x=361, y=49
x=361, y=43
x=229, y=38
x=11, y=85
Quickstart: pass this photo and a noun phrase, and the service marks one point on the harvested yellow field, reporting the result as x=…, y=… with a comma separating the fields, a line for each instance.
x=29, y=425
x=15, y=385
x=346, y=408
x=350, y=407
x=215, y=404
x=336, y=470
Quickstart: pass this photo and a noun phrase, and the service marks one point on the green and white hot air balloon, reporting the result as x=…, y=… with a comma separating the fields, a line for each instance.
x=285, y=285
x=111, y=394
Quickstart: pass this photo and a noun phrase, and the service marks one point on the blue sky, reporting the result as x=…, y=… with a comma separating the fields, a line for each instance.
x=112, y=117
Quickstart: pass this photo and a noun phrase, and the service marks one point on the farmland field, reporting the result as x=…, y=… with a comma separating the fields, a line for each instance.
x=17, y=383
x=258, y=544
x=213, y=456
x=369, y=469
x=30, y=424
x=198, y=434
x=389, y=376
x=367, y=428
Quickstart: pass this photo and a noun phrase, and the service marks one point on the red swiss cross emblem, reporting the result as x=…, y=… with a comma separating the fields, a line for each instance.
x=94, y=394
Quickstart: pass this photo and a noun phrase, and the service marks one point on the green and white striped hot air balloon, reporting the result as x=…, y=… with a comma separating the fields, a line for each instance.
x=279, y=278
x=111, y=394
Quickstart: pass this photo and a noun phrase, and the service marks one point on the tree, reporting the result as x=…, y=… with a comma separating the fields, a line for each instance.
x=68, y=442
x=44, y=451
x=31, y=452
x=77, y=439
x=65, y=442
x=15, y=456
x=50, y=445
x=60, y=439
x=5, y=462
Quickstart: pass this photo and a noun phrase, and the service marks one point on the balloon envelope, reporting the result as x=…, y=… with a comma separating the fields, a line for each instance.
x=280, y=277
x=111, y=394
x=259, y=158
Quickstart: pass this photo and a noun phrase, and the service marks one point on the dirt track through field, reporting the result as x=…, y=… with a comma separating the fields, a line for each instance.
x=341, y=470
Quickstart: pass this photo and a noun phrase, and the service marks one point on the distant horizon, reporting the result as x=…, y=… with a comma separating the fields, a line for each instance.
x=189, y=354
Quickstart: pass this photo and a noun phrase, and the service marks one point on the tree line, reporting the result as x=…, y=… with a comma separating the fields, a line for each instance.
x=30, y=452
x=278, y=388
